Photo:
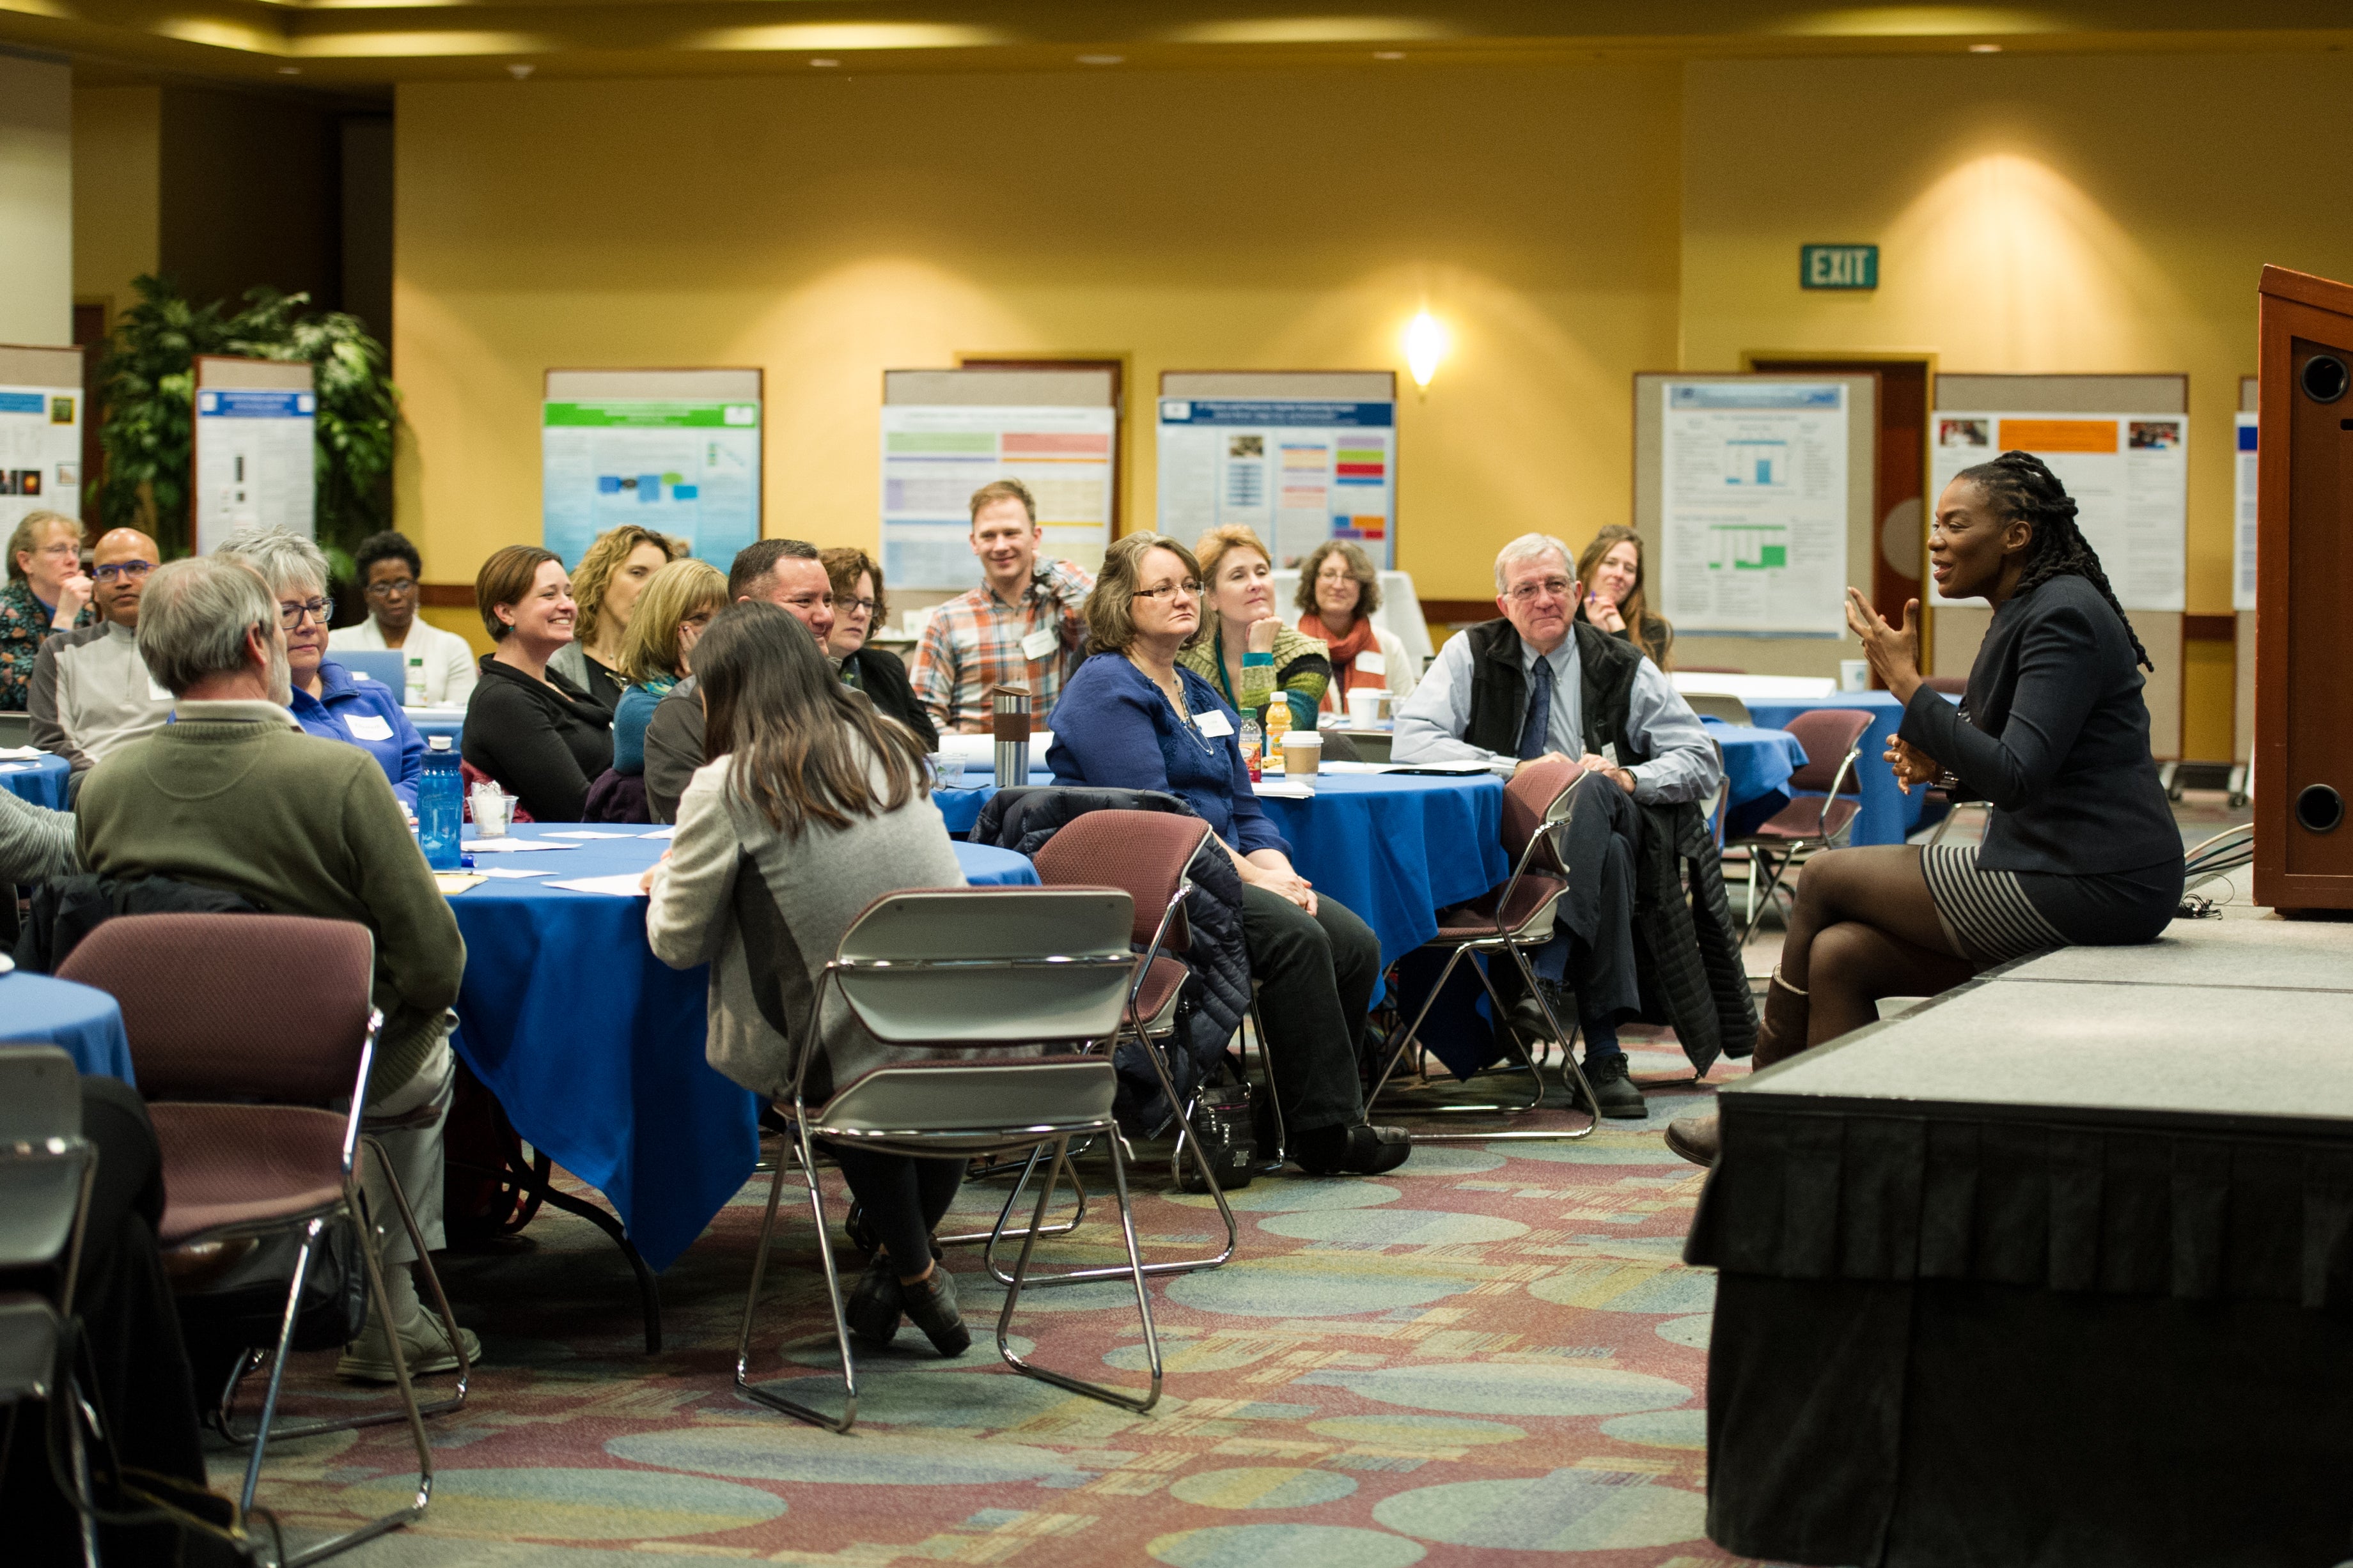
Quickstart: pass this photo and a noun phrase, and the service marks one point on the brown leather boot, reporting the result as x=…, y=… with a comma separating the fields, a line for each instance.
x=1783, y=1033
x=1697, y=1138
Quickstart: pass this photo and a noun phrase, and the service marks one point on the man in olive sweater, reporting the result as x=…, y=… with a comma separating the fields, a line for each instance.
x=233, y=795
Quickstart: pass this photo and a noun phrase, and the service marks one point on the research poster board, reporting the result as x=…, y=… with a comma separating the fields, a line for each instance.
x=1753, y=498
x=1299, y=458
x=947, y=433
x=2242, y=498
x=676, y=451
x=255, y=447
x=2129, y=473
x=40, y=433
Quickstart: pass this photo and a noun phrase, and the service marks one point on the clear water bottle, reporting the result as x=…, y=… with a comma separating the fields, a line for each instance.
x=441, y=806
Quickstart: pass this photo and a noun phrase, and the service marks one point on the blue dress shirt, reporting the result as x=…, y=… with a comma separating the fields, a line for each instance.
x=1114, y=729
x=366, y=714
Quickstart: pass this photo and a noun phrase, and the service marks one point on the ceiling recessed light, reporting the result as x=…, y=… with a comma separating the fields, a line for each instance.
x=1102, y=60
x=825, y=65
x=519, y=70
x=1389, y=54
x=1985, y=48
x=289, y=70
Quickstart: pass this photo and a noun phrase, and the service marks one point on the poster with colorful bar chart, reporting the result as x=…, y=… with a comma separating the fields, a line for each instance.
x=674, y=451
x=1298, y=459
x=934, y=455
x=2127, y=473
x=1754, y=493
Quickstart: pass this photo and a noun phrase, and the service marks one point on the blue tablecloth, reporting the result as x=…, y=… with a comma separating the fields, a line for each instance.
x=41, y=780
x=1757, y=764
x=1396, y=848
x=429, y=728
x=595, y=1045
x=960, y=808
x=83, y=1020
x=1888, y=815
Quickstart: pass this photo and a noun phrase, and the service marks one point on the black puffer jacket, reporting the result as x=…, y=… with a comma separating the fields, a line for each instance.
x=1217, y=996
x=67, y=909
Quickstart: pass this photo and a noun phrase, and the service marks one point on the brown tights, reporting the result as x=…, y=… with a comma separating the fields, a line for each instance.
x=1864, y=928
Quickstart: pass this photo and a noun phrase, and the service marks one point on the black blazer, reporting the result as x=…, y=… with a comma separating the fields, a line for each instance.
x=884, y=680
x=545, y=744
x=2055, y=740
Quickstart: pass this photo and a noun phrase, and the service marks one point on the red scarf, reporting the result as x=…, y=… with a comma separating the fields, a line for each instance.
x=1346, y=676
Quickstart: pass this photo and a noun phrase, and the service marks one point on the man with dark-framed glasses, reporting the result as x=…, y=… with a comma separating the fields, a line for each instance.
x=90, y=690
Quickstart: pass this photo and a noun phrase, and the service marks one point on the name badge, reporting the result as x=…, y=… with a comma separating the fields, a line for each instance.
x=1214, y=724
x=367, y=726
x=1372, y=662
x=1610, y=752
x=155, y=692
x=1041, y=643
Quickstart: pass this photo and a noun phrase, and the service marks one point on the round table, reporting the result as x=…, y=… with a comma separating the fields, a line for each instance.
x=41, y=780
x=1887, y=814
x=595, y=1045
x=84, y=1021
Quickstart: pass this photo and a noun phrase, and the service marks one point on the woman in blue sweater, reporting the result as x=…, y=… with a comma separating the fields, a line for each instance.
x=1131, y=718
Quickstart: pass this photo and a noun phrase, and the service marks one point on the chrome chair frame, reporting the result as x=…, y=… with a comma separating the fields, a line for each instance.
x=1534, y=931
x=1036, y=1137
x=1778, y=855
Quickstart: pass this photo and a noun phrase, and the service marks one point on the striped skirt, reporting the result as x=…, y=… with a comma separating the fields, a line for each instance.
x=1985, y=914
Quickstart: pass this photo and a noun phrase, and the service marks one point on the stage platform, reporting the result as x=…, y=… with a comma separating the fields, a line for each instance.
x=2056, y=1268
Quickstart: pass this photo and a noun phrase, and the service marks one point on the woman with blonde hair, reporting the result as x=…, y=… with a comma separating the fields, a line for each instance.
x=46, y=592
x=1339, y=589
x=1611, y=570
x=606, y=587
x=676, y=603
x=1246, y=653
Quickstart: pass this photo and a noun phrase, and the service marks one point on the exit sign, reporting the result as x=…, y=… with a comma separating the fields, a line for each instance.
x=1838, y=267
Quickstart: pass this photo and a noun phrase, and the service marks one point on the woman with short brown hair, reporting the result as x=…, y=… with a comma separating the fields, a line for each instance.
x=1339, y=589
x=540, y=736
x=858, y=607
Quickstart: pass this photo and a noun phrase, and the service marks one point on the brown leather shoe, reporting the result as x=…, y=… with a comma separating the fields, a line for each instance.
x=1696, y=1137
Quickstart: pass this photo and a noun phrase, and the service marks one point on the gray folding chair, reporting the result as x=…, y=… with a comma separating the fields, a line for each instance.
x=1512, y=921
x=46, y=1167
x=966, y=970
x=249, y=1148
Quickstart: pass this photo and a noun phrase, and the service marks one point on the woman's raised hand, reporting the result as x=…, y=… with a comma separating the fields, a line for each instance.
x=1262, y=634
x=1911, y=765
x=1894, y=651
x=1603, y=614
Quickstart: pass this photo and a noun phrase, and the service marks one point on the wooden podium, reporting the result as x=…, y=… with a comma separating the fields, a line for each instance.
x=2303, y=595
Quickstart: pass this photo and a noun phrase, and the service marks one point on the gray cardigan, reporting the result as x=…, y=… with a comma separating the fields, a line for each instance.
x=820, y=881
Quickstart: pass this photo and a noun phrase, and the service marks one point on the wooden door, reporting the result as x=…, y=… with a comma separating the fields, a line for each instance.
x=2303, y=580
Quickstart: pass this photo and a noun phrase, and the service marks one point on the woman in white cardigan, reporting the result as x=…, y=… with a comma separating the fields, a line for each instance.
x=1339, y=590
x=829, y=803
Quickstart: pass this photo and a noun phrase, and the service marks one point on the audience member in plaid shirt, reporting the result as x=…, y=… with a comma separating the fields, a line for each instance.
x=1024, y=626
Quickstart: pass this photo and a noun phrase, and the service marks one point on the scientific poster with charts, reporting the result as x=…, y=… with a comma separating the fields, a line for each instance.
x=2129, y=473
x=40, y=452
x=256, y=461
x=935, y=454
x=688, y=467
x=1754, y=507
x=2242, y=495
x=1294, y=472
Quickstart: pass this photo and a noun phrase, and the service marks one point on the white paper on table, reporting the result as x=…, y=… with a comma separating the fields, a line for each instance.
x=21, y=768
x=590, y=832
x=28, y=752
x=1282, y=789
x=510, y=846
x=510, y=871
x=669, y=832
x=1461, y=767
x=620, y=885
x=1352, y=768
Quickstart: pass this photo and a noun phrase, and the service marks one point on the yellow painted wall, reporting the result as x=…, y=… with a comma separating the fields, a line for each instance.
x=118, y=204
x=829, y=228
x=2034, y=214
x=36, y=202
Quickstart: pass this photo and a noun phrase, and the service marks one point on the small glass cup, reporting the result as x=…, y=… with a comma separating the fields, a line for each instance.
x=492, y=808
x=947, y=771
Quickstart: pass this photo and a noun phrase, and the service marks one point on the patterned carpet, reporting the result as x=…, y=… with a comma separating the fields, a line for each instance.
x=1493, y=1352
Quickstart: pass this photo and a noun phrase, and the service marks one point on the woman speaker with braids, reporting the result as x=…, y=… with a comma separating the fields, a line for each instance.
x=2080, y=846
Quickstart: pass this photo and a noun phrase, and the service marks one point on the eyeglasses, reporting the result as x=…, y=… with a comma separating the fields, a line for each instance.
x=1188, y=587
x=132, y=570
x=398, y=588
x=62, y=549
x=1528, y=592
x=290, y=616
x=854, y=607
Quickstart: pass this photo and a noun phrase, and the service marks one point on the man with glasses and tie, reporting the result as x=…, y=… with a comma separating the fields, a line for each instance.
x=90, y=690
x=439, y=664
x=1539, y=683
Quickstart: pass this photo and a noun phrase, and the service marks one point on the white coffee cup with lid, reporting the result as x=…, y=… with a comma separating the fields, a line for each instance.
x=1365, y=706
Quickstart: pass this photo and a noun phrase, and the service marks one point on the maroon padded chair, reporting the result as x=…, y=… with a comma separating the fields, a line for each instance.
x=1512, y=919
x=1149, y=855
x=240, y=1102
x=1832, y=738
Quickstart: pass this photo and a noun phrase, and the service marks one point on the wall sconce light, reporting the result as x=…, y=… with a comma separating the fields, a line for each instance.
x=1425, y=345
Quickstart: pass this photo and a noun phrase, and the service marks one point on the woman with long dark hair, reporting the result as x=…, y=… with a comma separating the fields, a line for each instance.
x=1615, y=600
x=2080, y=847
x=830, y=803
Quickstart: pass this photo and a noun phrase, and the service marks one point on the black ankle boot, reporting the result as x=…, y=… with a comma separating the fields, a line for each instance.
x=875, y=1303
x=932, y=1307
